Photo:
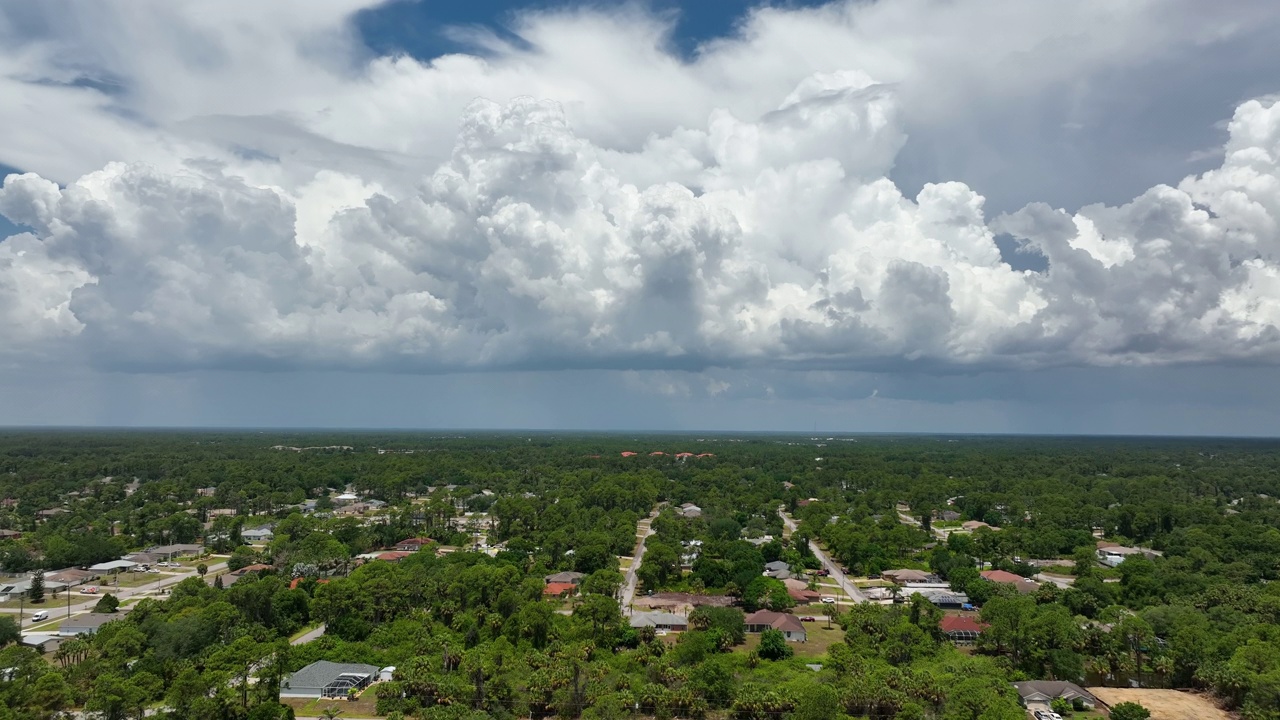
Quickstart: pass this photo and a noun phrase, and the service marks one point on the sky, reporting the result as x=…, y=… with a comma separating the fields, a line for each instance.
x=971, y=216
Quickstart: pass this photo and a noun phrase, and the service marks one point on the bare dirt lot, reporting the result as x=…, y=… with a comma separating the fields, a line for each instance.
x=1164, y=704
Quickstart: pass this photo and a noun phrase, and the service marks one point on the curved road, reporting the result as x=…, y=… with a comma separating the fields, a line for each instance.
x=832, y=568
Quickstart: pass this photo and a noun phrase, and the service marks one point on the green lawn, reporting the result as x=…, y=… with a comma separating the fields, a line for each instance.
x=365, y=707
x=820, y=639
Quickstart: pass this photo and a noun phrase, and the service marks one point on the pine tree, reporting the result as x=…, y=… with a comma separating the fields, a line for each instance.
x=36, y=592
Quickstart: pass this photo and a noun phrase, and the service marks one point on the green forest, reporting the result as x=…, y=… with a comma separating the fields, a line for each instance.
x=471, y=632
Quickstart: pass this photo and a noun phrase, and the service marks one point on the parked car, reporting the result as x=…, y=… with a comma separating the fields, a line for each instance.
x=824, y=572
x=829, y=601
x=91, y=590
x=967, y=606
x=807, y=618
x=153, y=570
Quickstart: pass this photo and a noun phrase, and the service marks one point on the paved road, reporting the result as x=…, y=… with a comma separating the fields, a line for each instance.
x=835, y=573
x=57, y=609
x=1059, y=580
x=907, y=519
x=643, y=531
x=311, y=635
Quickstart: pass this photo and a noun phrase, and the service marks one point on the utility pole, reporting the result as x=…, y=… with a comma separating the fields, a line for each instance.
x=68, y=601
x=22, y=604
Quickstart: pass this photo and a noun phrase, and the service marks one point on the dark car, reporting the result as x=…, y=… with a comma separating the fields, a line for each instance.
x=808, y=619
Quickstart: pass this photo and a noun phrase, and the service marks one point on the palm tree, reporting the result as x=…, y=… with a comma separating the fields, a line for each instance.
x=331, y=712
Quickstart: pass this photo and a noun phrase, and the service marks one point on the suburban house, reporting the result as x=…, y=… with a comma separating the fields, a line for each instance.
x=568, y=576
x=14, y=588
x=143, y=558
x=170, y=552
x=257, y=535
x=778, y=569
x=1004, y=577
x=1112, y=554
x=393, y=556
x=87, y=624
x=961, y=629
x=413, y=544
x=660, y=621
x=790, y=625
x=689, y=510
x=946, y=515
x=113, y=566
x=42, y=643
x=972, y=525
x=800, y=592
x=328, y=679
x=559, y=589
x=902, y=577
x=10, y=534
x=233, y=576
x=1037, y=694
x=945, y=599
x=51, y=512
x=70, y=576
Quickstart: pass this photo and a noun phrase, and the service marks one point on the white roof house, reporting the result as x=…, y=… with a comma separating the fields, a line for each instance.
x=113, y=566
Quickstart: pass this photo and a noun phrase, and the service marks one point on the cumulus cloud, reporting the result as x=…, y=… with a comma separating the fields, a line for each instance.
x=588, y=226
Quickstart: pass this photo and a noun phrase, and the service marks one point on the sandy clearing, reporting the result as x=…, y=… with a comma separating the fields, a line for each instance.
x=1164, y=704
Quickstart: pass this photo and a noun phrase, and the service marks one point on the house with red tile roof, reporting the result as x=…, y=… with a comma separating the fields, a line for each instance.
x=1005, y=577
x=413, y=544
x=628, y=453
x=961, y=629
x=559, y=589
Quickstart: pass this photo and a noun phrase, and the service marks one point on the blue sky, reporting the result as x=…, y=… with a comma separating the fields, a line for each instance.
x=422, y=28
x=903, y=215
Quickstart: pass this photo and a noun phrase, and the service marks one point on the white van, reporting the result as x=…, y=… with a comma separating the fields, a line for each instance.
x=40, y=616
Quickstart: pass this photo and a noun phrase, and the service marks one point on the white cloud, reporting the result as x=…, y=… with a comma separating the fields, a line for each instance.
x=285, y=208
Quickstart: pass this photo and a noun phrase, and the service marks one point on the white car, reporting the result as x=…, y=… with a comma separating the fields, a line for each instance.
x=828, y=601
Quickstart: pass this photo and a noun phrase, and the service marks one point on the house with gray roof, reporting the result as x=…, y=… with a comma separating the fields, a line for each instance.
x=87, y=624
x=778, y=569
x=174, y=551
x=14, y=588
x=328, y=679
x=568, y=576
x=1038, y=694
x=258, y=535
x=660, y=620
x=41, y=642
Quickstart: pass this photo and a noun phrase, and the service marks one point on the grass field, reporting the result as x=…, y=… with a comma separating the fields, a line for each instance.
x=365, y=707
x=820, y=638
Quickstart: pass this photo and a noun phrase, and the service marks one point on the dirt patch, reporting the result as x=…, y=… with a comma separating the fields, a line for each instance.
x=1164, y=704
